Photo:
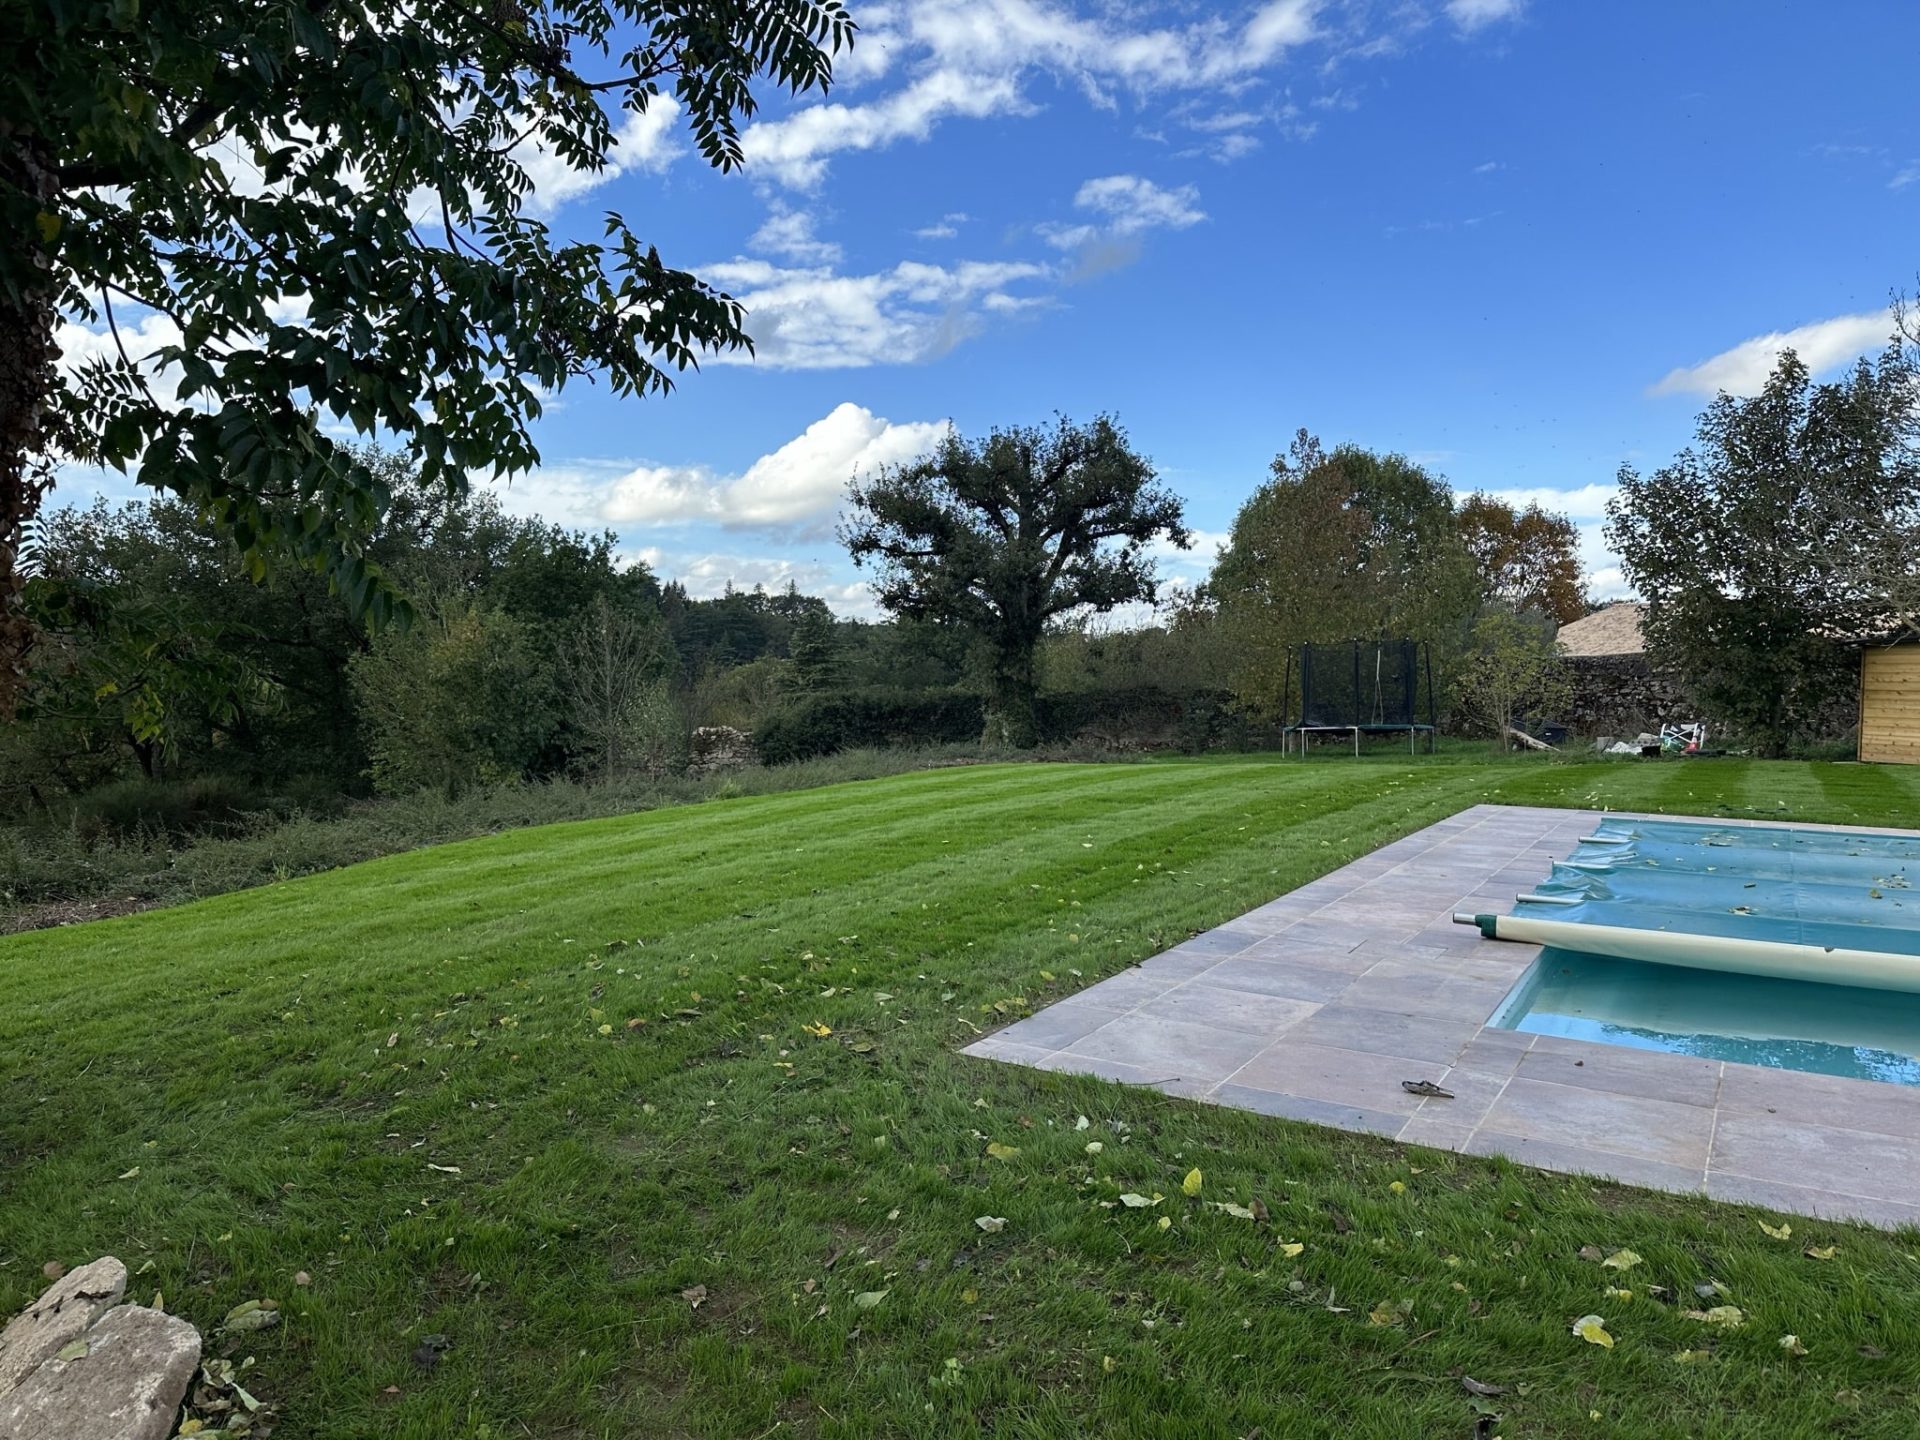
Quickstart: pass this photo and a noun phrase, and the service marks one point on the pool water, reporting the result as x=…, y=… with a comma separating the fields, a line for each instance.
x=1786, y=1024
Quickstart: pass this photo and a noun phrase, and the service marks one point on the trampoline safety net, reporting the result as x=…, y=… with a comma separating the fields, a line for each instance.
x=1361, y=684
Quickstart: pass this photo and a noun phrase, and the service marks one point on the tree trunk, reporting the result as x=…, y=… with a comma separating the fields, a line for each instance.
x=27, y=355
x=1012, y=721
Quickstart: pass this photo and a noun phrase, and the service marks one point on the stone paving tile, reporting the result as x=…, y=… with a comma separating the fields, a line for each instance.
x=1573, y=1159
x=1620, y=1071
x=1630, y=1125
x=1171, y=1049
x=1436, y=1041
x=1058, y=1026
x=1336, y=1076
x=1853, y=1162
x=1801, y=1200
x=1366, y=981
x=1318, y=1112
x=1200, y=1003
x=1436, y=1132
x=1287, y=979
x=1792, y=1096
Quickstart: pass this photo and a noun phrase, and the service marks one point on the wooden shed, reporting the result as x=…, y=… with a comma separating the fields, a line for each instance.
x=1890, y=703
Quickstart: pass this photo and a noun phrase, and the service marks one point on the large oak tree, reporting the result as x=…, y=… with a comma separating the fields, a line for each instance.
x=1006, y=535
x=324, y=210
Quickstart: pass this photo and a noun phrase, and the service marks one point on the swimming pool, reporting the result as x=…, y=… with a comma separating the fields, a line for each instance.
x=1739, y=936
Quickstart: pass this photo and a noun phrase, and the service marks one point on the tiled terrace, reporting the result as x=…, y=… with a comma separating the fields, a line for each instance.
x=1316, y=1007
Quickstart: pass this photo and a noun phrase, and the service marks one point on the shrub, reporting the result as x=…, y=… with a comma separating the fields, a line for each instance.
x=166, y=807
x=824, y=724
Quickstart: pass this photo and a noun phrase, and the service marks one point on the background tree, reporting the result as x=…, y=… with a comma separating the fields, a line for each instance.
x=815, y=652
x=1511, y=671
x=1528, y=559
x=1754, y=549
x=1005, y=535
x=1346, y=545
x=614, y=674
x=325, y=209
x=456, y=700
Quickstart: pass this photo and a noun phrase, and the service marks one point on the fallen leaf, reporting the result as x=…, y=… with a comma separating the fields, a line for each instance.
x=1342, y=1224
x=1613, y=1294
x=695, y=1296
x=53, y=1269
x=428, y=1352
x=1592, y=1252
x=1165, y=1222
x=301, y=1277
x=250, y=1315
x=1691, y=1357
x=1292, y=1249
x=1191, y=1185
x=1398, y=1187
x=1791, y=1344
x=1593, y=1330
x=867, y=1299
x=1138, y=1202
x=1002, y=1152
x=818, y=1030
x=1094, y=1147
x=1385, y=1313
x=1227, y=1207
x=1710, y=1289
x=1778, y=1232
x=1108, y=1364
x=133, y=1174
x=1820, y=1252
x=1081, y=1123
x=1730, y=1316
x=444, y=1169
x=73, y=1350
x=1260, y=1214
x=1621, y=1260
x=1480, y=1387
x=992, y=1224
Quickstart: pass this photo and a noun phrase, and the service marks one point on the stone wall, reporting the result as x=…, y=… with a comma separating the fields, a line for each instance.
x=1623, y=695
x=79, y=1365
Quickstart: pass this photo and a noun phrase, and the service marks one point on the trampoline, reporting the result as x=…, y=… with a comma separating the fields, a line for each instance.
x=1361, y=687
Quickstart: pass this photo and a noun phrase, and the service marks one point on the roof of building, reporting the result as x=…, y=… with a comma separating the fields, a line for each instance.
x=1612, y=630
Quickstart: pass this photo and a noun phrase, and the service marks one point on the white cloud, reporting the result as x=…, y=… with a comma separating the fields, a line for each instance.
x=80, y=345
x=708, y=575
x=1472, y=14
x=1743, y=370
x=794, y=490
x=789, y=233
x=1904, y=178
x=810, y=318
x=971, y=59
x=1487, y=167
x=948, y=227
x=1126, y=207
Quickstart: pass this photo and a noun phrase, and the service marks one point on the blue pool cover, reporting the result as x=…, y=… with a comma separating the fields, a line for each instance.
x=1781, y=883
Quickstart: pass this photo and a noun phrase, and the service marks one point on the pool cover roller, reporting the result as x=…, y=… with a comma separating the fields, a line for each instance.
x=1827, y=906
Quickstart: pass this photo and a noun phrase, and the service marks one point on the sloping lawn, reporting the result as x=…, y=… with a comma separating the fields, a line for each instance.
x=641, y=1191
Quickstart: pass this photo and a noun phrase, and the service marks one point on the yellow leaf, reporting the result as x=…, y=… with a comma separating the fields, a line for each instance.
x=1191, y=1185
x=969, y=1296
x=1593, y=1330
x=1619, y=1294
x=1621, y=1260
x=1002, y=1152
x=1778, y=1232
x=1398, y=1187
x=1731, y=1316
x=1138, y=1202
x=1386, y=1313
x=606, y=1029
x=1094, y=1147
x=1690, y=1357
x=133, y=1174
x=818, y=1030
x=596, y=1015
x=1166, y=1222
x=1291, y=1248
x=1109, y=1364
x=1820, y=1252
x=867, y=1299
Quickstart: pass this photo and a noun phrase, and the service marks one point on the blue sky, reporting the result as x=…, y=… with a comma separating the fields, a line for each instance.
x=1522, y=242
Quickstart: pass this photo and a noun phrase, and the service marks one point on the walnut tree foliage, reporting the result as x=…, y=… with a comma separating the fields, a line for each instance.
x=1005, y=536
x=1755, y=548
x=327, y=204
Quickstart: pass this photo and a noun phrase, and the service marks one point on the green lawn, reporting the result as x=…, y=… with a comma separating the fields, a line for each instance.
x=436, y=1084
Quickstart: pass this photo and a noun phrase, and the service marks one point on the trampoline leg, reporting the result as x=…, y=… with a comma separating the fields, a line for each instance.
x=1356, y=742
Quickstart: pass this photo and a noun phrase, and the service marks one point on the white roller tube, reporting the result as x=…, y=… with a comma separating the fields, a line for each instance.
x=1875, y=969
